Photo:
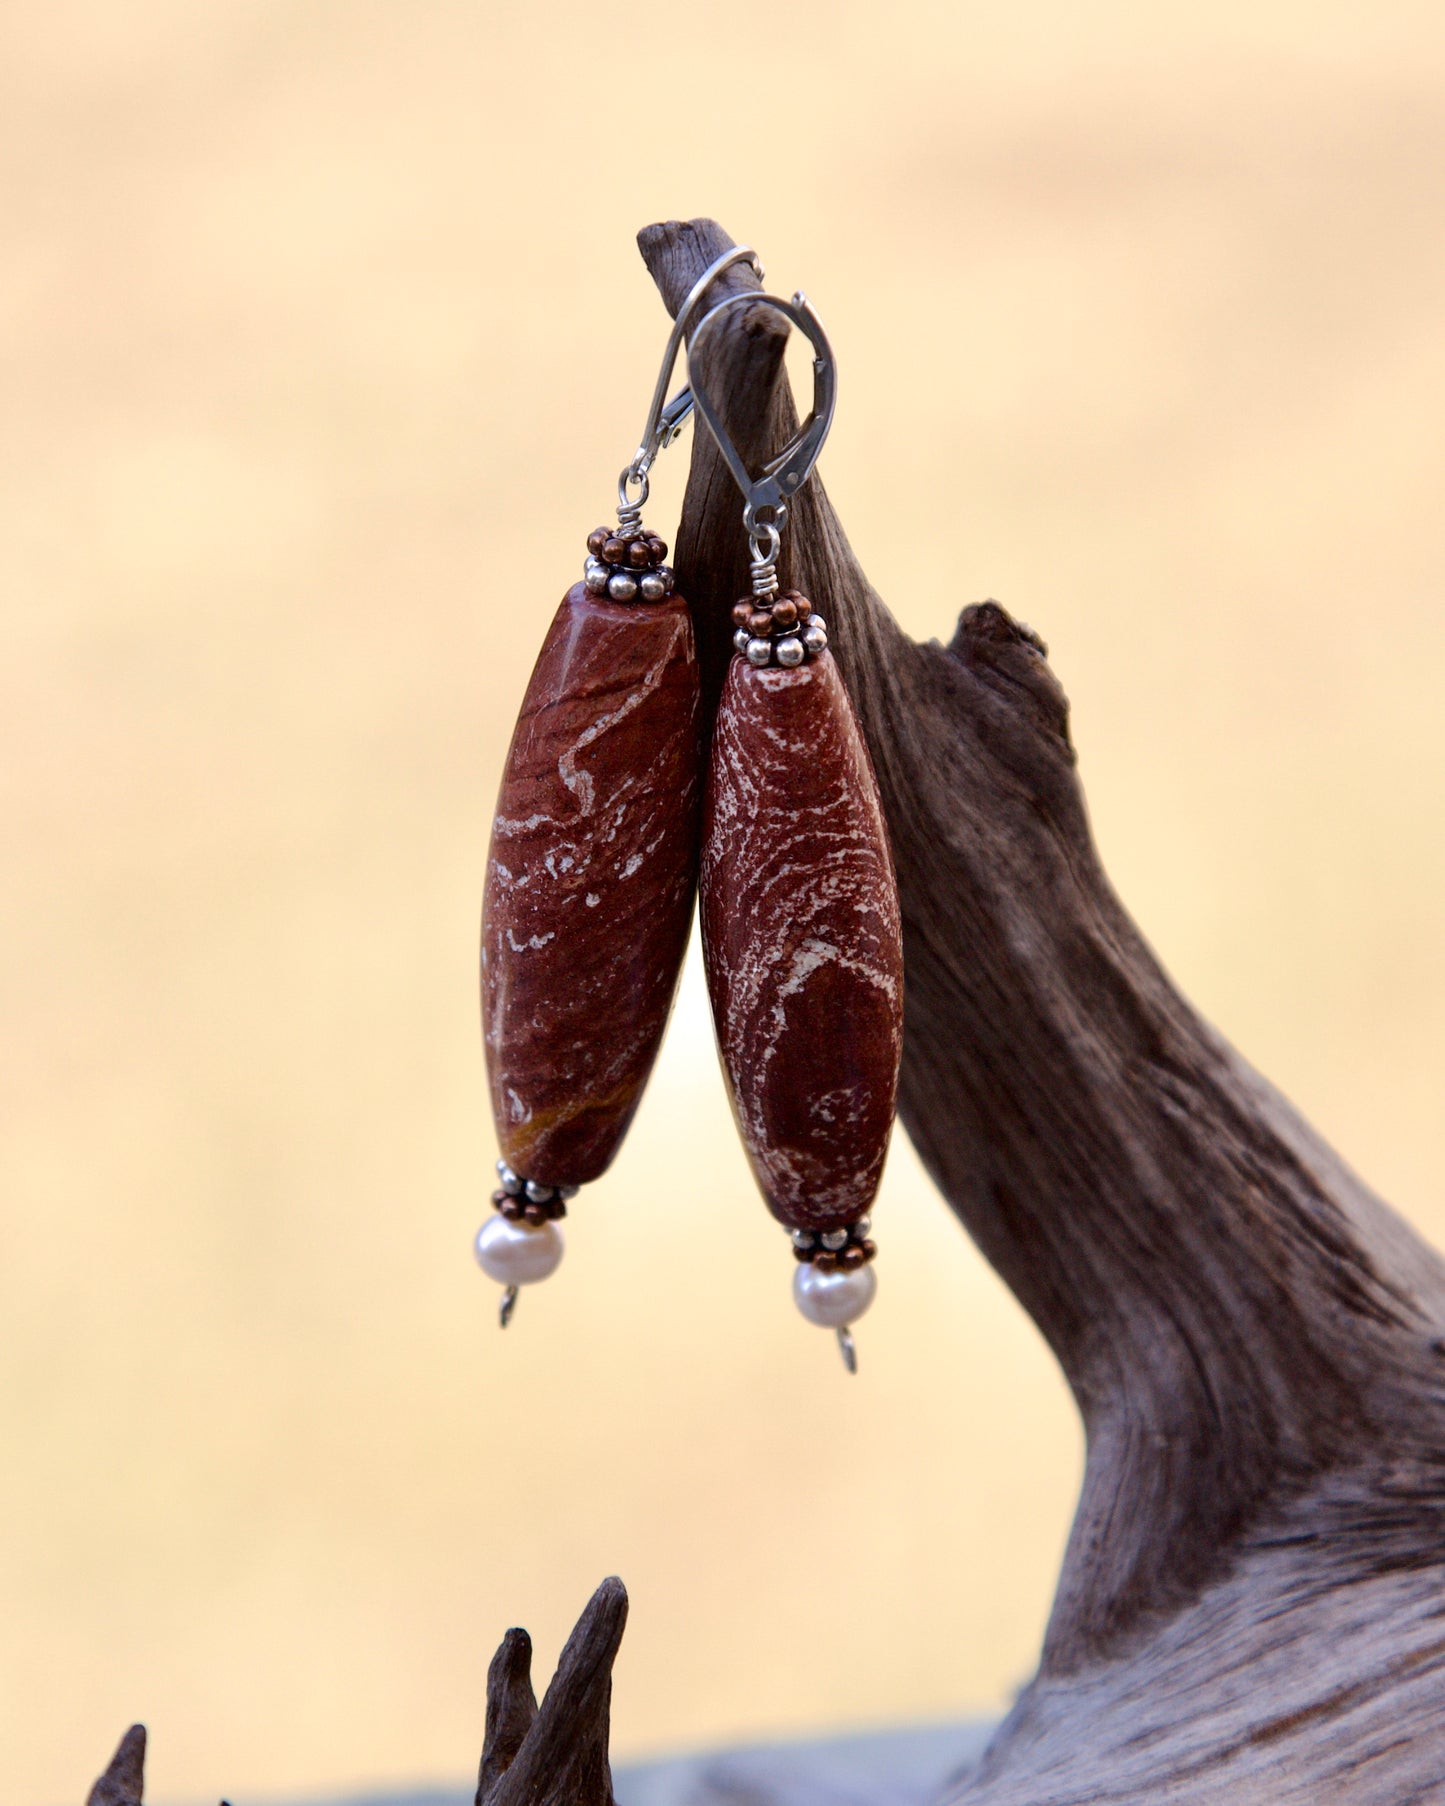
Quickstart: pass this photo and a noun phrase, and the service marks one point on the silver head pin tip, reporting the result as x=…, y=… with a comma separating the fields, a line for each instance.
x=848, y=1349
x=509, y=1304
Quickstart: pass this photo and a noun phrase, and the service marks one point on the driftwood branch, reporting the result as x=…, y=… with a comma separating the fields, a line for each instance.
x=555, y=1753
x=1250, y=1603
x=511, y=1710
x=123, y=1783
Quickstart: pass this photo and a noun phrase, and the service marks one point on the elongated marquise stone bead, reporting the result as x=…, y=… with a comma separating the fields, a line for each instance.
x=802, y=938
x=590, y=881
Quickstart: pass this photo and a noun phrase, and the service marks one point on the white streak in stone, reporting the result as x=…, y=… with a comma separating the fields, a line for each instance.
x=534, y=941
x=580, y=782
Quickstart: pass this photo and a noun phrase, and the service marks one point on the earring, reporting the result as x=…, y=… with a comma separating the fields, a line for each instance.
x=801, y=928
x=592, y=865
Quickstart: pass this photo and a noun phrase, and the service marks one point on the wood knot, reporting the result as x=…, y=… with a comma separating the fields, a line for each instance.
x=990, y=623
x=990, y=642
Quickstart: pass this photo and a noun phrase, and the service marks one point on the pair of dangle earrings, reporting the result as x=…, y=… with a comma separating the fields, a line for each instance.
x=612, y=815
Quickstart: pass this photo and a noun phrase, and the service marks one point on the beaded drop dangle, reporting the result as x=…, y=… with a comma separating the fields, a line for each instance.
x=801, y=929
x=592, y=866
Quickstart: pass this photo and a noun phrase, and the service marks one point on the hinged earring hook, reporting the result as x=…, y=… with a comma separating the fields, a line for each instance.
x=767, y=493
x=665, y=418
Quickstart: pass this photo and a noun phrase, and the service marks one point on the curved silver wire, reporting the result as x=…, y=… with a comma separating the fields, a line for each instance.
x=765, y=496
x=665, y=418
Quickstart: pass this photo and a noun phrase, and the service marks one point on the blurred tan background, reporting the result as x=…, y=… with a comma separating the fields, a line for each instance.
x=323, y=338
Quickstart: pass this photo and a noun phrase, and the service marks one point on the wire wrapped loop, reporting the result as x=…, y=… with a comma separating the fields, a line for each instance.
x=629, y=508
x=765, y=537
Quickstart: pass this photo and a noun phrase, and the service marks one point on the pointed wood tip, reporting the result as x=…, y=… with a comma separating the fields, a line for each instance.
x=584, y=1668
x=513, y=1658
x=511, y=1708
x=123, y=1783
x=611, y=1596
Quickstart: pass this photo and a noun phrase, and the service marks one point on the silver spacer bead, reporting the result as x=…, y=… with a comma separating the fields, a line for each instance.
x=832, y=1241
x=759, y=652
x=537, y=1193
x=804, y=1238
x=741, y=639
x=568, y=1192
x=861, y=1228
x=815, y=637
x=621, y=587
x=652, y=587
x=664, y=574
x=790, y=650
x=596, y=582
x=511, y=1184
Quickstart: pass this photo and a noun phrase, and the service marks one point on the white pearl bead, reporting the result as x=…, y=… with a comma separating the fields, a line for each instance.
x=833, y=1300
x=518, y=1254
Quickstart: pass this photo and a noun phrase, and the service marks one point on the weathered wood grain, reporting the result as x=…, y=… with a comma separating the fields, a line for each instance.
x=1250, y=1607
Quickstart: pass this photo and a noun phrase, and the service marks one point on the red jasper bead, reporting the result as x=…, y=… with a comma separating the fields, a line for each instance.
x=803, y=940
x=590, y=880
